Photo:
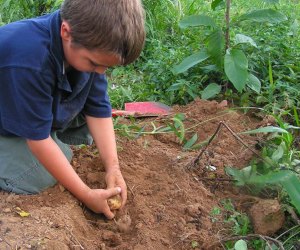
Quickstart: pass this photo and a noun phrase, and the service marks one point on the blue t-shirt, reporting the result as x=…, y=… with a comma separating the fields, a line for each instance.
x=36, y=94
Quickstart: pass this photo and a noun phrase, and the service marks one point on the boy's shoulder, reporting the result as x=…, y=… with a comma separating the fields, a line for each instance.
x=25, y=43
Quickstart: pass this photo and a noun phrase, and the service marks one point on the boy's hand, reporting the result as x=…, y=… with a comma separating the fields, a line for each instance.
x=96, y=200
x=113, y=179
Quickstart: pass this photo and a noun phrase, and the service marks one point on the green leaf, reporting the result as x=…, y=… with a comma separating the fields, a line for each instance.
x=254, y=83
x=217, y=3
x=240, y=38
x=210, y=91
x=268, y=129
x=177, y=86
x=241, y=176
x=236, y=68
x=264, y=15
x=190, y=62
x=292, y=187
x=178, y=128
x=240, y=245
x=287, y=179
x=191, y=142
x=215, y=43
x=278, y=153
x=196, y=20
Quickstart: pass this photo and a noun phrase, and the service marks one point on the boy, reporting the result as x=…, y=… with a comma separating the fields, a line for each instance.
x=53, y=92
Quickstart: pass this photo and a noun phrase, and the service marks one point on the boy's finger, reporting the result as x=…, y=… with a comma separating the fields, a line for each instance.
x=113, y=191
x=109, y=214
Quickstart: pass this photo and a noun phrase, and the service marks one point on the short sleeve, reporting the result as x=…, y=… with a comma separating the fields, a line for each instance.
x=26, y=102
x=97, y=103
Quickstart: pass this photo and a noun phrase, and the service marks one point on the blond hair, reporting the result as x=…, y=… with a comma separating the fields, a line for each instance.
x=113, y=26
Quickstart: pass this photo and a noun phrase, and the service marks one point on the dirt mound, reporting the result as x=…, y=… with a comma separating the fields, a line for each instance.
x=168, y=207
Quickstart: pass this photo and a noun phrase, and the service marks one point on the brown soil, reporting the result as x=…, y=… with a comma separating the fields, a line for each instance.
x=168, y=207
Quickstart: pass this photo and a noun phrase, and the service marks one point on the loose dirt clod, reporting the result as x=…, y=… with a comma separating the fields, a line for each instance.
x=267, y=217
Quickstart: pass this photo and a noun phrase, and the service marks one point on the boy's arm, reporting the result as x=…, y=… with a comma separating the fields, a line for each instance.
x=53, y=159
x=102, y=131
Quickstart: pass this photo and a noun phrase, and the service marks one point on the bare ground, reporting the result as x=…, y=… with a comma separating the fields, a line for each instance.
x=169, y=206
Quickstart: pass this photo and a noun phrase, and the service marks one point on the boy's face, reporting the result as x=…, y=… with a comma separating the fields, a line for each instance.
x=85, y=60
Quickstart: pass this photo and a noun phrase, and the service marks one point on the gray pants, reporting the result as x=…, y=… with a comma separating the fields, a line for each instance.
x=22, y=173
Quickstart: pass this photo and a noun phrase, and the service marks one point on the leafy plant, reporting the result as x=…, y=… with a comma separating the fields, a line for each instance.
x=15, y=10
x=226, y=58
x=278, y=164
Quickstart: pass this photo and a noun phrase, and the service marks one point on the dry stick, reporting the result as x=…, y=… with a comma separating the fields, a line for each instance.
x=249, y=236
x=293, y=215
x=74, y=237
x=131, y=190
x=196, y=160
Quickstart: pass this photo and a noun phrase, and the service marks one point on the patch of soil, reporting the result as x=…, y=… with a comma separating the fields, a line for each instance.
x=168, y=207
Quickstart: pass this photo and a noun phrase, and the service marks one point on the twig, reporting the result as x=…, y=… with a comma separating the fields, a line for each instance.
x=77, y=241
x=294, y=227
x=250, y=236
x=131, y=190
x=197, y=159
x=293, y=215
x=3, y=239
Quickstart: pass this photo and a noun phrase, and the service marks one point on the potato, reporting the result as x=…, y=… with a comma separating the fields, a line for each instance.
x=114, y=202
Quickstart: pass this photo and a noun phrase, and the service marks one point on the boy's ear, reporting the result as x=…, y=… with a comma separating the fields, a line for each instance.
x=65, y=31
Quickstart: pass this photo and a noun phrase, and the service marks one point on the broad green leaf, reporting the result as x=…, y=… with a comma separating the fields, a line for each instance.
x=264, y=15
x=210, y=91
x=241, y=176
x=215, y=44
x=190, y=62
x=176, y=86
x=236, y=68
x=268, y=129
x=196, y=20
x=240, y=245
x=254, y=83
x=217, y=3
x=287, y=179
x=292, y=187
x=191, y=142
x=240, y=38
